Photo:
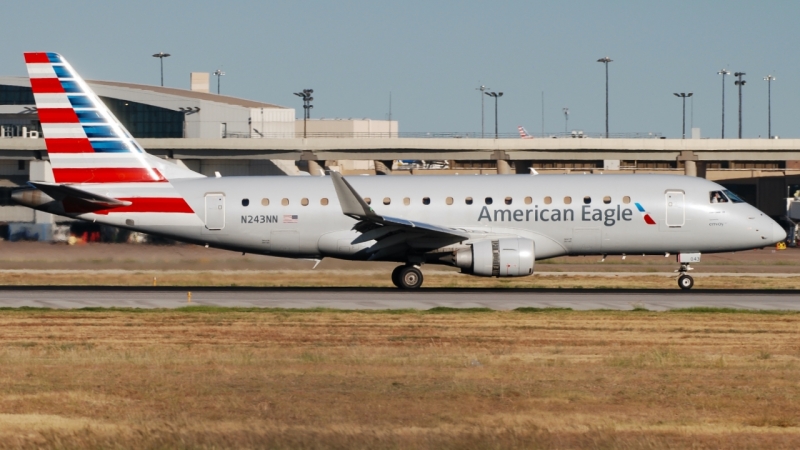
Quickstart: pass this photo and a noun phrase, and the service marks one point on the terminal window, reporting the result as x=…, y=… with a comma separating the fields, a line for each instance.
x=146, y=121
x=16, y=95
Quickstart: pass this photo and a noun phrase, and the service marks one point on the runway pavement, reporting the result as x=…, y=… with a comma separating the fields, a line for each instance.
x=355, y=298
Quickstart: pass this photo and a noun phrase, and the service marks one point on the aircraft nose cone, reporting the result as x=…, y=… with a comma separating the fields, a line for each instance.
x=778, y=233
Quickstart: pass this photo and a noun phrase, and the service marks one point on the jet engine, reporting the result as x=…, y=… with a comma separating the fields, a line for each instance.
x=504, y=257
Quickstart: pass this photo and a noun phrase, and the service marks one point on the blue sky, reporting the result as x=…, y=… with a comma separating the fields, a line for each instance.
x=433, y=54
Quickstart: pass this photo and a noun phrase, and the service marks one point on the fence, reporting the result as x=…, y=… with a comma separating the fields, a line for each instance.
x=463, y=135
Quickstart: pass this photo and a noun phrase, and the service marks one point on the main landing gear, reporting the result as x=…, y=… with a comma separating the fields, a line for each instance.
x=407, y=277
x=684, y=280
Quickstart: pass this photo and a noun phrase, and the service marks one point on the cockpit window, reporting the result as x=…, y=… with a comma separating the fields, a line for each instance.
x=717, y=197
x=734, y=198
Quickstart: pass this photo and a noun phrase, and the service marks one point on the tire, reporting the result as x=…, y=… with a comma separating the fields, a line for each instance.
x=396, y=276
x=410, y=277
x=685, y=282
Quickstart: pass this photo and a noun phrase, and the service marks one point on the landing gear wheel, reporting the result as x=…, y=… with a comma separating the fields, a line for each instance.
x=396, y=276
x=409, y=277
x=685, y=282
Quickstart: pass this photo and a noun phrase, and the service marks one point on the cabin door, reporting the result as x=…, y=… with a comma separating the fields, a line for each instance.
x=676, y=209
x=215, y=211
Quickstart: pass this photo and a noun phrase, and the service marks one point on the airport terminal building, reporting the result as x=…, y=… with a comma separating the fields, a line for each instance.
x=157, y=112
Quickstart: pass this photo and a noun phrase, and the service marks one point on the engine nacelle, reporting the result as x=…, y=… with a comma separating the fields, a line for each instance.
x=504, y=257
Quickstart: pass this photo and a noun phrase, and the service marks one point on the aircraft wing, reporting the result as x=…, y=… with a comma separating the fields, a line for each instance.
x=63, y=191
x=394, y=235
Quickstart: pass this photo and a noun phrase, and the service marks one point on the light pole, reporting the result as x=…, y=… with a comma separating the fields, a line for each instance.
x=496, y=95
x=161, y=56
x=566, y=119
x=740, y=83
x=219, y=73
x=769, y=79
x=723, y=72
x=307, y=98
x=683, y=95
x=605, y=61
x=483, y=89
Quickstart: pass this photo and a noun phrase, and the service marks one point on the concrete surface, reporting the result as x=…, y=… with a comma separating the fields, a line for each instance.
x=394, y=299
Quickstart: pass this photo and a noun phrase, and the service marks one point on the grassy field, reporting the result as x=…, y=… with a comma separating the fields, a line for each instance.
x=212, y=378
x=377, y=278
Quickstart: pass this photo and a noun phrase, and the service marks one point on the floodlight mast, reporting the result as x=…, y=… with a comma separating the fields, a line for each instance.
x=769, y=79
x=218, y=73
x=683, y=96
x=161, y=56
x=305, y=94
x=740, y=83
x=496, y=95
x=723, y=72
x=566, y=119
x=483, y=89
x=605, y=61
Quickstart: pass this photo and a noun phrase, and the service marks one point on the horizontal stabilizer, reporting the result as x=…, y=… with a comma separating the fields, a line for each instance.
x=61, y=192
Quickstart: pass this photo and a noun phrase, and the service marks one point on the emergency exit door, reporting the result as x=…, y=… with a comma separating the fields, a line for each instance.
x=215, y=211
x=676, y=209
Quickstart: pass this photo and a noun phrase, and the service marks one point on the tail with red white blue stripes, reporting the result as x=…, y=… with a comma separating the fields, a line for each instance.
x=85, y=142
x=523, y=133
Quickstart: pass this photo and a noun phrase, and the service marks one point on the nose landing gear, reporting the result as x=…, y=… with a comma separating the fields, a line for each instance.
x=685, y=281
x=407, y=277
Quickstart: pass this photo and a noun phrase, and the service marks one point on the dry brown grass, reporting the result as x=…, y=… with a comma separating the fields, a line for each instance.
x=292, y=379
x=375, y=278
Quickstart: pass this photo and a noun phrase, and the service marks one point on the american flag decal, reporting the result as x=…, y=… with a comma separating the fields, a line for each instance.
x=288, y=218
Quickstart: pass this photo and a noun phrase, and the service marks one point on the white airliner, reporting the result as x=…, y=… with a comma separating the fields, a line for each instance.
x=486, y=225
x=523, y=133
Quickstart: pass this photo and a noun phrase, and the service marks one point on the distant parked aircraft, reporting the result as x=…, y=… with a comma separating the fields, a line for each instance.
x=523, y=134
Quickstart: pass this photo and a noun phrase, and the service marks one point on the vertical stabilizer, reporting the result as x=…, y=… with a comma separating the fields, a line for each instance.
x=86, y=143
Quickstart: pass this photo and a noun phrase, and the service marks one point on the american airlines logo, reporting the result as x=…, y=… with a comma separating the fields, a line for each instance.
x=647, y=219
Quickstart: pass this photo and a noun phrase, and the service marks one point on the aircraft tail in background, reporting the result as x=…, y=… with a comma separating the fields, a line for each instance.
x=523, y=134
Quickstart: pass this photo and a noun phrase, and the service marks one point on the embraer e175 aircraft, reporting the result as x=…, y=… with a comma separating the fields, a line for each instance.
x=493, y=226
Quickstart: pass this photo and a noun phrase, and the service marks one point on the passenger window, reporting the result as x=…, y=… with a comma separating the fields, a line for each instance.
x=587, y=200
x=368, y=200
x=264, y=202
x=323, y=202
x=717, y=197
x=426, y=200
x=468, y=200
x=285, y=202
x=567, y=200
x=626, y=199
x=245, y=201
x=488, y=200
x=406, y=201
x=304, y=202
x=387, y=201
x=548, y=200
x=508, y=200
x=607, y=199
x=449, y=200
x=528, y=200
